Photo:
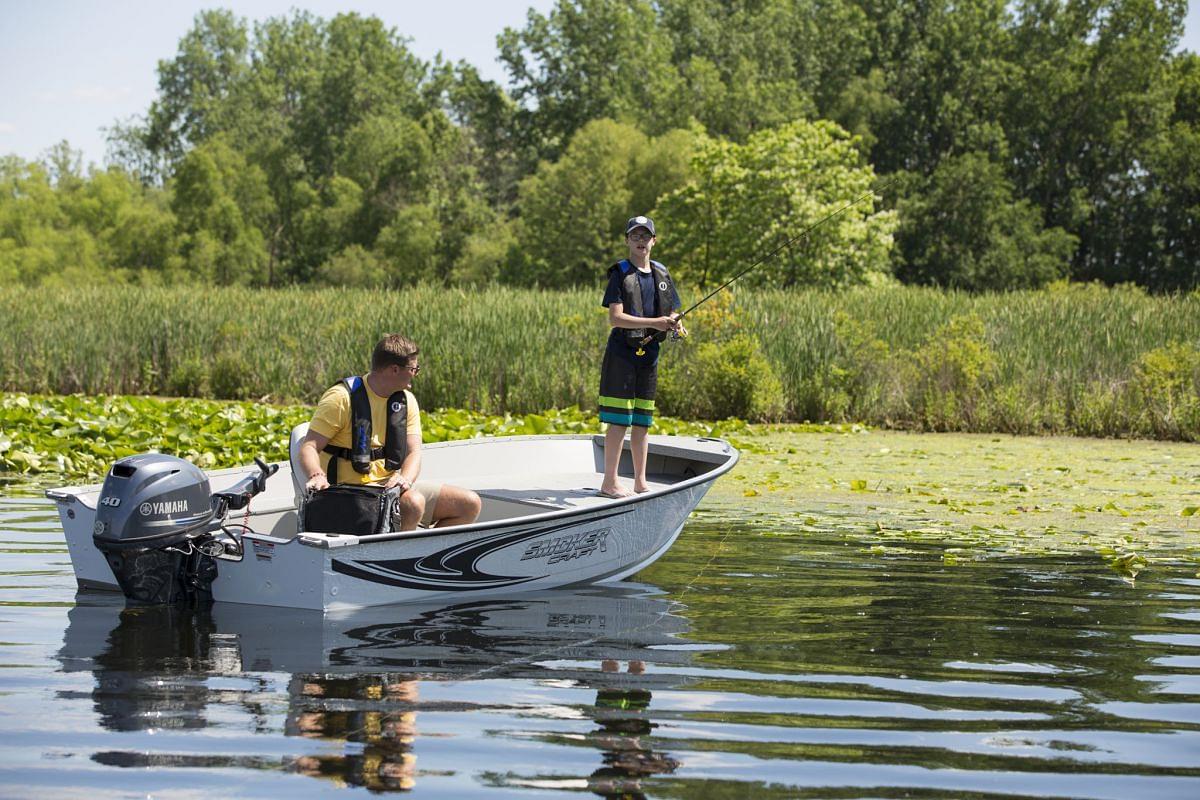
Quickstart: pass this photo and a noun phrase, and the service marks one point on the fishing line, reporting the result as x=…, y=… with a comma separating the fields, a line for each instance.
x=675, y=603
x=779, y=249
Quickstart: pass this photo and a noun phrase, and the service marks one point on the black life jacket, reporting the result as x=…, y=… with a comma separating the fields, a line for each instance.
x=360, y=454
x=631, y=298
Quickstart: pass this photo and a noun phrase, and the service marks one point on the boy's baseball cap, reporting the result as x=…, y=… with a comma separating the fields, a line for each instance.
x=639, y=222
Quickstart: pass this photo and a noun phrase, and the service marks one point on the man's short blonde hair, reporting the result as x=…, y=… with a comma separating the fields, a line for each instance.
x=393, y=349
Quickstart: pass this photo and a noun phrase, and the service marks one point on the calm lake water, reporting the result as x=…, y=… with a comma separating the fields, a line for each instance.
x=744, y=664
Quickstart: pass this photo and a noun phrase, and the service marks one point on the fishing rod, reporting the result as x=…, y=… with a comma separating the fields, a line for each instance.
x=777, y=250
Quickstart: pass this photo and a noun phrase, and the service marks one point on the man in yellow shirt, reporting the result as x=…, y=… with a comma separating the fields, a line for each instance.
x=367, y=430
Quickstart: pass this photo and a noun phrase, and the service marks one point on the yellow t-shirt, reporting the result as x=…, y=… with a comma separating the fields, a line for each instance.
x=332, y=420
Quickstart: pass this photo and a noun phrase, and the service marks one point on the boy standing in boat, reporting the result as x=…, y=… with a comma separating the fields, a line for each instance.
x=642, y=304
x=381, y=410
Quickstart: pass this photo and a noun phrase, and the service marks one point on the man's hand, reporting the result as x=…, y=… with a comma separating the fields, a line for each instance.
x=317, y=482
x=398, y=480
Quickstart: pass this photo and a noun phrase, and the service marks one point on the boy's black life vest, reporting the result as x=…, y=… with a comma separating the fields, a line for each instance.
x=360, y=454
x=631, y=298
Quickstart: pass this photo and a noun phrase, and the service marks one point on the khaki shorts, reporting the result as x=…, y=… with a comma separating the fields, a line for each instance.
x=431, y=491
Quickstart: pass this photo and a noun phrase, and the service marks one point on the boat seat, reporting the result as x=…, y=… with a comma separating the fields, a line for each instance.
x=299, y=476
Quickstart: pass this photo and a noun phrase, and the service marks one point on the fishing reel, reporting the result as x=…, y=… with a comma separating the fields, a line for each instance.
x=674, y=336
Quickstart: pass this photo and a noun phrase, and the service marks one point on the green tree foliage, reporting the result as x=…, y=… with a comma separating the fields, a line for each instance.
x=587, y=60
x=964, y=229
x=196, y=86
x=748, y=200
x=340, y=126
x=734, y=67
x=275, y=148
x=1091, y=95
x=572, y=211
x=57, y=225
x=221, y=203
x=945, y=67
x=748, y=66
x=1169, y=239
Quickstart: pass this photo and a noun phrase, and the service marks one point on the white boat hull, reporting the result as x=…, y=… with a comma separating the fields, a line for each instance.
x=543, y=527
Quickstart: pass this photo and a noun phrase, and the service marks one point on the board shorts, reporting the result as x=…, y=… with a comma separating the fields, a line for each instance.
x=431, y=491
x=627, y=389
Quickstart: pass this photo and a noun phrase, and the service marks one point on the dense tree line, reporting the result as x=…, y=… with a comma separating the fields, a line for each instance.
x=1020, y=143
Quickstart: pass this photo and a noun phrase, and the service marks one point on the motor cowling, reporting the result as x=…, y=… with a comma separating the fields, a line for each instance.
x=150, y=509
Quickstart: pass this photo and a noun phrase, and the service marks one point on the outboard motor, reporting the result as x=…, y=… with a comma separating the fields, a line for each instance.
x=154, y=523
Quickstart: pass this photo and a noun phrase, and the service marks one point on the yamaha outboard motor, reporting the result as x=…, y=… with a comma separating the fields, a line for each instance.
x=154, y=524
x=151, y=507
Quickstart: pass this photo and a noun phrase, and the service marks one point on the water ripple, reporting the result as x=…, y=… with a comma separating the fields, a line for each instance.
x=745, y=665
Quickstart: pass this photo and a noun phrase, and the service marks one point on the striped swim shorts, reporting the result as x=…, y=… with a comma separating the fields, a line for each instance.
x=627, y=389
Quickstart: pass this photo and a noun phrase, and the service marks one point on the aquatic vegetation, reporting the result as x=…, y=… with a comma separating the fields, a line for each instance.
x=74, y=436
x=969, y=496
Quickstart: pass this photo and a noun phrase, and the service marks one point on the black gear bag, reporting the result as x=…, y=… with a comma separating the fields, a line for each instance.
x=354, y=510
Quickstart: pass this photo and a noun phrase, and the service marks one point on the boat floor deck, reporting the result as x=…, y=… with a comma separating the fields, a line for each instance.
x=559, y=491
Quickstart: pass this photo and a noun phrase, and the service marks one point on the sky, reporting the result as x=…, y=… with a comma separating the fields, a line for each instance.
x=70, y=68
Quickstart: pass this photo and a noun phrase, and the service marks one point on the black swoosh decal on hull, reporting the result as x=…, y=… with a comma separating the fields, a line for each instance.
x=454, y=568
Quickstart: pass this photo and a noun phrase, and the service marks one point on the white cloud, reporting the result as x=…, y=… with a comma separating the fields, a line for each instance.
x=7, y=127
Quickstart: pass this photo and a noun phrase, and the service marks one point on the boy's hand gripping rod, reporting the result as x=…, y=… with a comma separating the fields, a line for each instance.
x=776, y=251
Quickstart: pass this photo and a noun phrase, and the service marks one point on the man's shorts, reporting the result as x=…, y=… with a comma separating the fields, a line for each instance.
x=627, y=389
x=431, y=491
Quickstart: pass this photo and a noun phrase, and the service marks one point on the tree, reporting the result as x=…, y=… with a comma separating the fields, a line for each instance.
x=57, y=225
x=936, y=82
x=353, y=266
x=745, y=201
x=195, y=87
x=572, y=211
x=749, y=66
x=221, y=204
x=1166, y=236
x=963, y=229
x=132, y=225
x=391, y=158
x=486, y=115
x=1093, y=90
x=589, y=59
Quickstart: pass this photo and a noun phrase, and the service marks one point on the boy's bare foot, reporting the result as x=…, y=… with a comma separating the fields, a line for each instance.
x=642, y=489
x=614, y=492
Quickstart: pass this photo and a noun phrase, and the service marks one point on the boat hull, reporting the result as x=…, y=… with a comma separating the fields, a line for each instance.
x=581, y=540
x=605, y=545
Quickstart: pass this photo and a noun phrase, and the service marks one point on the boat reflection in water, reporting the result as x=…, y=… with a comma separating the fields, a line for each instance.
x=363, y=679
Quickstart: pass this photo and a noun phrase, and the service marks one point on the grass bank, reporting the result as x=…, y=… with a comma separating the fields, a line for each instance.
x=1075, y=360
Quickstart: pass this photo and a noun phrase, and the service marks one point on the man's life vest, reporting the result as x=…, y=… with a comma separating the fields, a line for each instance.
x=360, y=454
x=631, y=298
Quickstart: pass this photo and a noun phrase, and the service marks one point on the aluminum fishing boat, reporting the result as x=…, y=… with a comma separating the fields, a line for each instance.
x=543, y=525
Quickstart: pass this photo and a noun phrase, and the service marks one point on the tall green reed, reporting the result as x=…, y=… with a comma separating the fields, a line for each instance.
x=1064, y=359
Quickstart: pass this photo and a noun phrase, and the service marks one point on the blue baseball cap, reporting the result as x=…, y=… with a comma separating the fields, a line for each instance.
x=639, y=222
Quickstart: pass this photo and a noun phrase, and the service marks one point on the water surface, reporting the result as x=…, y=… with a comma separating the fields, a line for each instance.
x=745, y=663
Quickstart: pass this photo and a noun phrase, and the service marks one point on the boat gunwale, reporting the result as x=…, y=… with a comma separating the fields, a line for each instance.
x=729, y=460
